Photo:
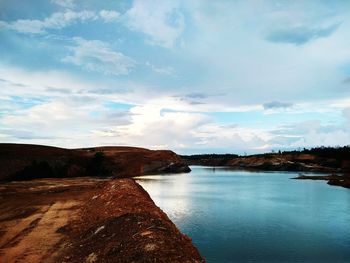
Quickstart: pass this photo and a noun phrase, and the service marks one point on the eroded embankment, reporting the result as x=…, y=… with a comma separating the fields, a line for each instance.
x=86, y=220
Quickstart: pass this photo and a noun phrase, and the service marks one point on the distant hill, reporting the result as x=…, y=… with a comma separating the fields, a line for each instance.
x=321, y=159
x=25, y=161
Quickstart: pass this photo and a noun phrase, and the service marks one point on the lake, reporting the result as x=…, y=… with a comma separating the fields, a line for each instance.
x=240, y=216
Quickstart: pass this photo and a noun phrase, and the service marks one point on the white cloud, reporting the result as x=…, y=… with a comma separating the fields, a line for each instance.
x=66, y=120
x=154, y=128
x=64, y=3
x=161, y=70
x=160, y=20
x=232, y=138
x=95, y=55
x=58, y=20
x=21, y=82
x=109, y=15
x=150, y=127
x=314, y=139
x=25, y=26
x=226, y=43
x=311, y=133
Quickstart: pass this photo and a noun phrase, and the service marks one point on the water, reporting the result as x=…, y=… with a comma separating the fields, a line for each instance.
x=236, y=216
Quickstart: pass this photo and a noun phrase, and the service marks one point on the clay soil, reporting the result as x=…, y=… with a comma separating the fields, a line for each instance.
x=87, y=220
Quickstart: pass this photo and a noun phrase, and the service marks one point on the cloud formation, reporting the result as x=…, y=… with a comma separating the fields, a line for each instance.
x=64, y=3
x=277, y=105
x=58, y=20
x=160, y=70
x=192, y=76
x=159, y=20
x=109, y=15
x=299, y=35
x=95, y=55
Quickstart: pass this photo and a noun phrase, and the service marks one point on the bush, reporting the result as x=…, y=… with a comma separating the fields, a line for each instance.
x=36, y=169
x=96, y=166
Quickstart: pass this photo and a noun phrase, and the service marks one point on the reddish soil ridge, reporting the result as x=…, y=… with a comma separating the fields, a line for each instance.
x=87, y=220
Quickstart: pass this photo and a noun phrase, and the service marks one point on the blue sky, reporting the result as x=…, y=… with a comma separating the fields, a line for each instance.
x=192, y=76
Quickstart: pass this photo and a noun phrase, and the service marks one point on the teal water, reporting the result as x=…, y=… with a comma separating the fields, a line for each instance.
x=239, y=216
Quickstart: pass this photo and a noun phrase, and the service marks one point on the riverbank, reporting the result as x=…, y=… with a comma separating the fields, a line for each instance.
x=326, y=160
x=337, y=180
x=87, y=220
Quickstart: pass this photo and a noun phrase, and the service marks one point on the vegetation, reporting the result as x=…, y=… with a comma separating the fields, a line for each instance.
x=97, y=165
x=341, y=153
x=325, y=157
x=60, y=168
x=209, y=159
x=200, y=156
x=36, y=169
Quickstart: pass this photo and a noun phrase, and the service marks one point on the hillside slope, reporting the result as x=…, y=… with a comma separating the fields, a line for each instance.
x=24, y=161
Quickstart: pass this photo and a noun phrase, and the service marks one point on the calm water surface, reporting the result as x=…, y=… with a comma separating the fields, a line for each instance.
x=236, y=216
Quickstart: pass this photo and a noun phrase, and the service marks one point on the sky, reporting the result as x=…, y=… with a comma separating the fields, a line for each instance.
x=193, y=76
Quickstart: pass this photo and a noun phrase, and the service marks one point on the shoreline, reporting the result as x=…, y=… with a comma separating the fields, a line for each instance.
x=336, y=180
x=316, y=161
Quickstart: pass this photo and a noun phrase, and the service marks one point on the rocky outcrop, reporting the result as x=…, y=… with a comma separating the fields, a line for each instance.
x=159, y=167
x=23, y=162
x=337, y=180
x=283, y=163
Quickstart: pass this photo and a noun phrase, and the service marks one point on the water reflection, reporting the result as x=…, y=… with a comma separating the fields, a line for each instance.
x=240, y=216
x=169, y=193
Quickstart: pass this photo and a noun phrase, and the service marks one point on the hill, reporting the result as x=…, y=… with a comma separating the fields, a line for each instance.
x=25, y=161
x=322, y=159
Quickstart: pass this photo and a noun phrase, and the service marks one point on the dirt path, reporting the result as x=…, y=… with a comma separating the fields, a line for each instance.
x=40, y=229
x=86, y=220
x=31, y=215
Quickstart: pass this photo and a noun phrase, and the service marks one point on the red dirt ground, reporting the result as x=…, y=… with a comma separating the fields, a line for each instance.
x=87, y=220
